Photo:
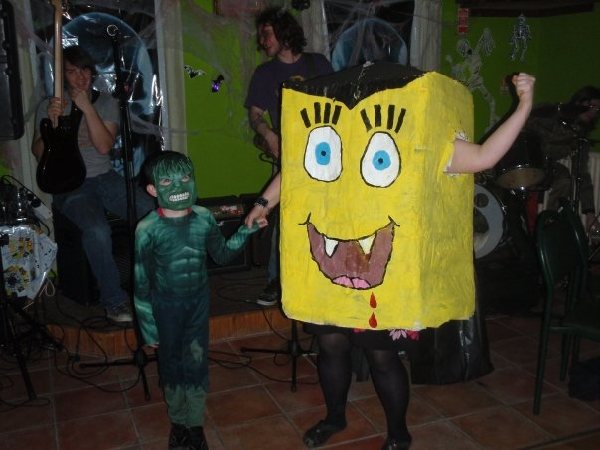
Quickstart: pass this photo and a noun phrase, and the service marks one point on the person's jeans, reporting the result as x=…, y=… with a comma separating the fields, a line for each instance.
x=86, y=207
x=273, y=265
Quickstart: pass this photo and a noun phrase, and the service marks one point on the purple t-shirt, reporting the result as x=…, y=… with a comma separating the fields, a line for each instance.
x=264, y=91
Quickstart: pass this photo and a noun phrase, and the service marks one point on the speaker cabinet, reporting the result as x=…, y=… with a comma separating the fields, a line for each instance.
x=11, y=121
x=75, y=278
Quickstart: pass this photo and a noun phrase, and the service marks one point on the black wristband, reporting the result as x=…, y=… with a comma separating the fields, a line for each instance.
x=261, y=201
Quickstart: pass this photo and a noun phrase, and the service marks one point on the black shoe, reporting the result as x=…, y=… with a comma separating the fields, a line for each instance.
x=271, y=295
x=197, y=440
x=319, y=433
x=396, y=444
x=178, y=437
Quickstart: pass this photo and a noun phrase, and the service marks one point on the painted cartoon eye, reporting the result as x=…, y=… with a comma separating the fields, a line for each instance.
x=323, y=155
x=380, y=165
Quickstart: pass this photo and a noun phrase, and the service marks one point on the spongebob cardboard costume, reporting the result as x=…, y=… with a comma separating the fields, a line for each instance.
x=374, y=234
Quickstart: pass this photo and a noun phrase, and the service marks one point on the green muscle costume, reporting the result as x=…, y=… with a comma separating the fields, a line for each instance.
x=171, y=285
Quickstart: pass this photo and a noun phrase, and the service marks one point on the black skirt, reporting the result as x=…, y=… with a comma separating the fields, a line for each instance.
x=400, y=340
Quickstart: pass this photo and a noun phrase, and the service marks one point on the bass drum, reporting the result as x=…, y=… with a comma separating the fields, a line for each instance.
x=488, y=221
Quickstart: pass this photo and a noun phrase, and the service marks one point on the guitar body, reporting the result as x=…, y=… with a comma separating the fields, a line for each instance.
x=61, y=168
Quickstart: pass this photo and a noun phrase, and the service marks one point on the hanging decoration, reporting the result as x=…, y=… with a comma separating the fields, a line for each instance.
x=521, y=34
x=468, y=71
x=216, y=83
x=463, y=21
x=191, y=72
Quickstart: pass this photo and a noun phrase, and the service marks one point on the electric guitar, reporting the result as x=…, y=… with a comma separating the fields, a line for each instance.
x=61, y=168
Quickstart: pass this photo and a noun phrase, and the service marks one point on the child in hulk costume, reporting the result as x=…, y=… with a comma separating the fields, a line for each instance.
x=172, y=291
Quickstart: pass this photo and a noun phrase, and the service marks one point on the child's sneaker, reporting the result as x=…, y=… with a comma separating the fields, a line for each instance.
x=178, y=437
x=197, y=440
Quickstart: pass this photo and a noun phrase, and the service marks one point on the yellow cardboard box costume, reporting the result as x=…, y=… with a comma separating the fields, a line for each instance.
x=374, y=233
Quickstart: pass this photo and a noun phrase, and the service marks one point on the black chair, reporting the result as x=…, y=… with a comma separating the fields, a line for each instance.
x=562, y=251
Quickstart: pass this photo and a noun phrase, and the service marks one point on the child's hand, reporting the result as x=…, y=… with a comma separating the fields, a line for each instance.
x=257, y=217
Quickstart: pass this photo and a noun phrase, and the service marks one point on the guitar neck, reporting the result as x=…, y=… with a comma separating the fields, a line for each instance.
x=58, y=63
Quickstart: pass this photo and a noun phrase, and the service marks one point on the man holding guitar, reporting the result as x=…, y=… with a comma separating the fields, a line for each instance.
x=94, y=118
x=282, y=39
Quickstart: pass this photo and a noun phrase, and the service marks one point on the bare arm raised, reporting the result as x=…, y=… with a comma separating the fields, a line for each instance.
x=470, y=158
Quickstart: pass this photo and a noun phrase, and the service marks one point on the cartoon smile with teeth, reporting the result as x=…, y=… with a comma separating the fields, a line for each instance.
x=374, y=233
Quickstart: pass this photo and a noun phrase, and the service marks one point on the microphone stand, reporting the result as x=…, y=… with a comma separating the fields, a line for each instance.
x=140, y=358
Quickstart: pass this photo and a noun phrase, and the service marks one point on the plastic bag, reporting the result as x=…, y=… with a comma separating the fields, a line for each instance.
x=456, y=351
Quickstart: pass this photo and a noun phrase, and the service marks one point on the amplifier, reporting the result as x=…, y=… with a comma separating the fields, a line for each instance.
x=229, y=213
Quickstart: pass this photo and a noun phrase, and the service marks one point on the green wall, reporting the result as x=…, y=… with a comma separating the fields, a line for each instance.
x=563, y=54
x=219, y=140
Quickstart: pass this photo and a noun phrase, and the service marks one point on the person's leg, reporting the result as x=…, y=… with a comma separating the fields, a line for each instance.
x=334, y=365
x=392, y=386
x=84, y=207
x=271, y=295
x=113, y=189
x=170, y=326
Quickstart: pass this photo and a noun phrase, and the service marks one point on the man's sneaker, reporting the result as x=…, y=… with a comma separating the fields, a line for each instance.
x=271, y=295
x=119, y=313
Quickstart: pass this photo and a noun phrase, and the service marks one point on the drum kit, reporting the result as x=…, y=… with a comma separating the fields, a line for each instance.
x=523, y=170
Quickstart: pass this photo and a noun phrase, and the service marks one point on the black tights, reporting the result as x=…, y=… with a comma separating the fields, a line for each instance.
x=389, y=378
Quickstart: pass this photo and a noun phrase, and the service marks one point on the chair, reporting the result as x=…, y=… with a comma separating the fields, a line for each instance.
x=562, y=253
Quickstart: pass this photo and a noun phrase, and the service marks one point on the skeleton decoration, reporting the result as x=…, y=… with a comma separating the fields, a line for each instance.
x=468, y=71
x=521, y=34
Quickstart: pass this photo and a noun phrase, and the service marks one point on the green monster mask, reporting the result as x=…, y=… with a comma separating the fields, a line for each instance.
x=173, y=177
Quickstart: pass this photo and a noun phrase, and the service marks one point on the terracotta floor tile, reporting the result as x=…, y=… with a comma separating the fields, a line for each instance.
x=100, y=432
x=511, y=385
x=526, y=325
x=136, y=395
x=231, y=377
x=496, y=331
x=88, y=401
x=518, y=350
x=307, y=395
x=420, y=411
x=280, y=368
x=76, y=378
x=441, y=435
x=39, y=438
x=501, y=428
x=13, y=385
x=26, y=417
x=151, y=422
x=561, y=415
x=246, y=410
x=271, y=432
x=236, y=406
x=458, y=398
x=371, y=408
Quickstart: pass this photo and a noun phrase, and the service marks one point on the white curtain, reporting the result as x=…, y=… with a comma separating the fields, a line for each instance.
x=314, y=24
x=426, y=32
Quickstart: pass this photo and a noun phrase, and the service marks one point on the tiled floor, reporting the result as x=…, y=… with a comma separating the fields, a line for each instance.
x=251, y=405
